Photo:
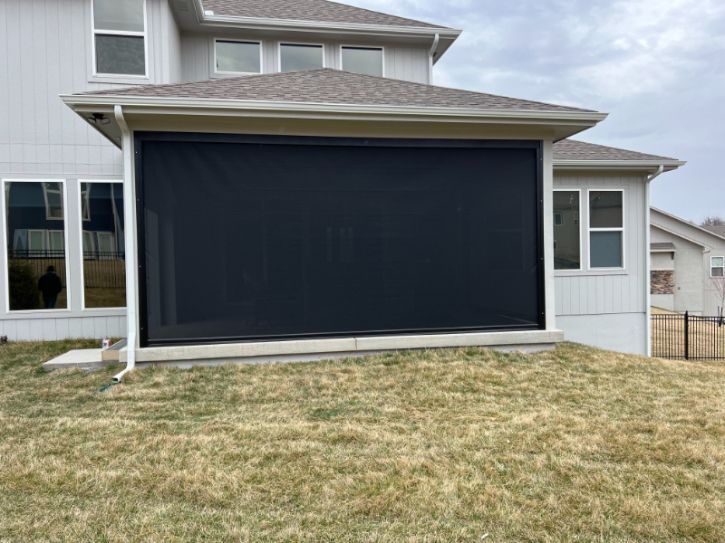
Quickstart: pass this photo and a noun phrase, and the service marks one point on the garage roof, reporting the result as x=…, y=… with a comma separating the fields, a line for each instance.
x=308, y=10
x=328, y=86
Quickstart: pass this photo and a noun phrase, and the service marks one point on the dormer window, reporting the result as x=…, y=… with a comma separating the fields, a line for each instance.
x=363, y=60
x=237, y=57
x=119, y=35
x=295, y=57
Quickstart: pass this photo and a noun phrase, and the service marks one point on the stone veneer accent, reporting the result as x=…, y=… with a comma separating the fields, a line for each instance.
x=662, y=282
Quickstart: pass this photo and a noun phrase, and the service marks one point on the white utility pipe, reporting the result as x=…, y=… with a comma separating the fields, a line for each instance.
x=431, y=54
x=129, y=207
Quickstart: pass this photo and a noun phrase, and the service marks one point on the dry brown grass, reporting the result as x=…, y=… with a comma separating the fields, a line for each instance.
x=574, y=445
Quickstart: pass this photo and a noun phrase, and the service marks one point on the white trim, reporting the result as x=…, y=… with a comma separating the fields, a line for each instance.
x=380, y=48
x=303, y=44
x=94, y=31
x=6, y=274
x=621, y=229
x=581, y=233
x=713, y=267
x=232, y=40
x=185, y=106
x=209, y=19
x=648, y=269
x=82, y=249
x=687, y=223
x=648, y=165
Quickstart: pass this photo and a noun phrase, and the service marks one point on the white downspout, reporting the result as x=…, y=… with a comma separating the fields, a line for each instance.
x=129, y=211
x=648, y=260
x=431, y=54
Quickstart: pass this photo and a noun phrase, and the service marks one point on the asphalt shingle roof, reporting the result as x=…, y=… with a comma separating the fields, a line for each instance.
x=328, y=86
x=580, y=150
x=308, y=10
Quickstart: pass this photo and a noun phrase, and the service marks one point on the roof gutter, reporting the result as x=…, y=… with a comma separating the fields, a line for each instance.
x=191, y=106
x=656, y=168
x=208, y=18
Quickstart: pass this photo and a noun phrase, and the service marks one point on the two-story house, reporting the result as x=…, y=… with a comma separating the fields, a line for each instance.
x=294, y=185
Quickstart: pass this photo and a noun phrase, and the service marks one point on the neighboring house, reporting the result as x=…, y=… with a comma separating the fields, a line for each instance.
x=300, y=187
x=688, y=264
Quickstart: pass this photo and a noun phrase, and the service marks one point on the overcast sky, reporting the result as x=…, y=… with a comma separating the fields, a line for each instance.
x=656, y=66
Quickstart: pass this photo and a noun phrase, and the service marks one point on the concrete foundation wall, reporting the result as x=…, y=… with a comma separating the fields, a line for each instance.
x=624, y=332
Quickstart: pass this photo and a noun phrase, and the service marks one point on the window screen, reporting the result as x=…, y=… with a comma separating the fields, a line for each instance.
x=253, y=237
x=119, y=34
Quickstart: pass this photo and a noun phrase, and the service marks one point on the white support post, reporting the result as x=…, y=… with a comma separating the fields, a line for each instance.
x=548, y=207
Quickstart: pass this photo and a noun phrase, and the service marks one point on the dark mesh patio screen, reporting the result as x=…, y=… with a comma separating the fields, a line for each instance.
x=262, y=237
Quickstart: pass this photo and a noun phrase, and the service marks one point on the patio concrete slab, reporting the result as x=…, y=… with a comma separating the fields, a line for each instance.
x=84, y=359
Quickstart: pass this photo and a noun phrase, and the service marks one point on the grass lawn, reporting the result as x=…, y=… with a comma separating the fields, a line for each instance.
x=574, y=445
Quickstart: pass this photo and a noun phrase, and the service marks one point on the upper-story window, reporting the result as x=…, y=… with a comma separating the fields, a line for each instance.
x=237, y=57
x=363, y=60
x=119, y=33
x=294, y=57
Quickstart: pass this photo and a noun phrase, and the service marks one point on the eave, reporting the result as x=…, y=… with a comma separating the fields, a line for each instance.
x=649, y=166
x=446, y=35
x=562, y=123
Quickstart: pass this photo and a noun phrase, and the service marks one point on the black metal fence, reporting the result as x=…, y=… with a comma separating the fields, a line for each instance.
x=688, y=337
x=100, y=269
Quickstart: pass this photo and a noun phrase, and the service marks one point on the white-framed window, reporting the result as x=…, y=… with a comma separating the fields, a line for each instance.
x=363, y=60
x=36, y=267
x=606, y=229
x=119, y=37
x=237, y=57
x=53, y=196
x=102, y=259
x=301, y=56
x=567, y=229
x=717, y=266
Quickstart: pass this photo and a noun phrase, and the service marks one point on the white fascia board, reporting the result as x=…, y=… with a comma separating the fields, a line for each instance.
x=676, y=234
x=604, y=165
x=187, y=106
x=260, y=23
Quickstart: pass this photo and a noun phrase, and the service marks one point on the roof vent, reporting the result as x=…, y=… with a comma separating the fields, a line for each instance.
x=208, y=13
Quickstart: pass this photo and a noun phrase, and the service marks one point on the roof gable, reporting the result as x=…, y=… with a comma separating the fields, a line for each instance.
x=308, y=10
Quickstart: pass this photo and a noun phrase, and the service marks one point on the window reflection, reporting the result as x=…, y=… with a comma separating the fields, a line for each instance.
x=35, y=242
x=104, y=267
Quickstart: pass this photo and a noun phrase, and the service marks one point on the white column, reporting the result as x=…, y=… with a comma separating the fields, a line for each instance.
x=548, y=197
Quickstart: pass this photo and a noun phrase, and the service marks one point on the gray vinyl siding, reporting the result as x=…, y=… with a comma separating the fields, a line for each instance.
x=46, y=50
x=590, y=292
x=607, y=309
